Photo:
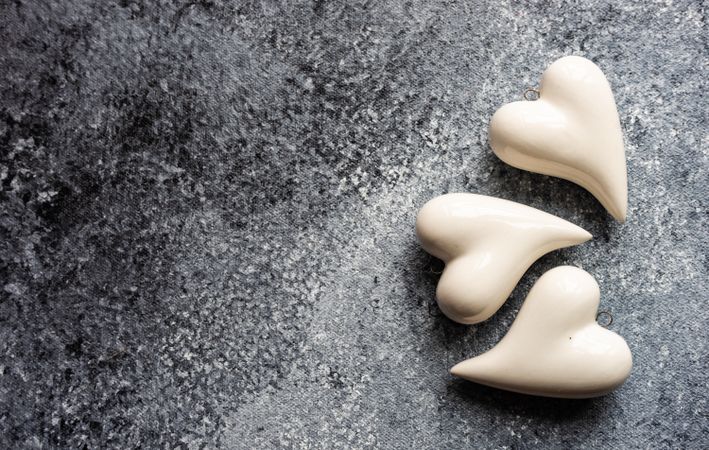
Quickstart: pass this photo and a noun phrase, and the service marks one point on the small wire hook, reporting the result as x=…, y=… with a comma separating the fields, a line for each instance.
x=434, y=271
x=436, y=266
x=534, y=91
x=604, y=313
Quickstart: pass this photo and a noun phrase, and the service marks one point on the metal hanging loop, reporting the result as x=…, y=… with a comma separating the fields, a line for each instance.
x=604, y=324
x=531, y=94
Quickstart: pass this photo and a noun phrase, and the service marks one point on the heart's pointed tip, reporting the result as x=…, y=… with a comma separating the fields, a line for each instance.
x=470, y=369
x=623, y=216
x=457, y=370
x=582, y=235
x=573, y=234
x=619, y=213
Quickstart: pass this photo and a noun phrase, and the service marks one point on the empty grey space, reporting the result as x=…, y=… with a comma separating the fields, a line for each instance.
x=207, y=221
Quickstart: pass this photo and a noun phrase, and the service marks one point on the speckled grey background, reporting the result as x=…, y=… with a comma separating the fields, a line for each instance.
x=207, y=208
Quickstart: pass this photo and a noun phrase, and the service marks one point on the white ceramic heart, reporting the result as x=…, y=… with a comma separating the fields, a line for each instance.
x=572, y=131
x=555, y=348
x=487, y=244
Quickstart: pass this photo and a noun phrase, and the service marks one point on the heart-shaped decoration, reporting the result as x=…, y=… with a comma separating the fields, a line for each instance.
x=487, y=244
x=572, y=131
x=555, y=348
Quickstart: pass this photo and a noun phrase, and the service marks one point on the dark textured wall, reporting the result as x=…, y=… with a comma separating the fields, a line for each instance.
x=207, y=208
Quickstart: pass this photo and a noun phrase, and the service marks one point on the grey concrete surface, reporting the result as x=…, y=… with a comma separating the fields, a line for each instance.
x=207, y=208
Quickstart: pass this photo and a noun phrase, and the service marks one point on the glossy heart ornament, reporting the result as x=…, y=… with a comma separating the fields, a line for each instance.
x=572, y=131
x=487, y=244
x=555, y=348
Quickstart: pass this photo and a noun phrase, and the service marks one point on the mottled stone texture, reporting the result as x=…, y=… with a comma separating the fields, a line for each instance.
x=207, y=209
